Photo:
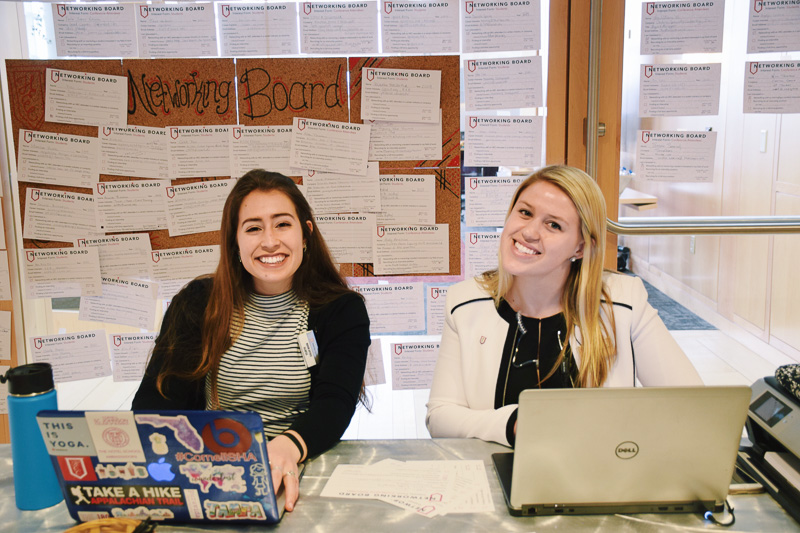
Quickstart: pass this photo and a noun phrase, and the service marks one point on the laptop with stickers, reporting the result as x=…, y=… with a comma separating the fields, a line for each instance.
x=173, y=466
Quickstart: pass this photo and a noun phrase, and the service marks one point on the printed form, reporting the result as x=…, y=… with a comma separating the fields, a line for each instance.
x=199, y=151
x=264, y=147
x=329, y=192
x=125, y=301
x=175, y=267
x=393, y=307
x=130, y=205
x=129, y=352
x=676, y=155
x=5, y=280
x=255, y=29
x=500, y=26
x=419, y=27
x=413, y=364
x=85, y=98
x=503, y=83
x=329, y=146
x=196, y=207
x=348, y=28
x=487, y=199
x=400, y=95
x=185, y=30
x=503, y=141
x=73, y=356
x=407, y=199
x=122, y=255
x=5, y=335
x=60, y=272
x=682, y=27
x=349, y=237
x=134, y=151
x=57, y=158
x=772, y=87
x=435, y=299
x=399, y=249
x=405, y=141
x=773, y=27
x=95, y=30
x=480, y=252
x=679, y=90
x=59, y=215
x=374, y=374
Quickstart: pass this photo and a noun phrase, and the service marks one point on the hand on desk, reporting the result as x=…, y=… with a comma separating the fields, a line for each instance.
x=283, y=460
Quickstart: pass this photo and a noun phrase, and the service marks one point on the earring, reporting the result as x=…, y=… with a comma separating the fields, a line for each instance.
x=574, y=259
x=239, y=255
x=305, y=247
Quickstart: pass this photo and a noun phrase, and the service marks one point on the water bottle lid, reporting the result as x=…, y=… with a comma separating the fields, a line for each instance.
x=35, y=378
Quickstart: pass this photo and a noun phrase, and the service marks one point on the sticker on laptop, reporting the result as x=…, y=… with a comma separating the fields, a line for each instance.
x=66, y=436
x=142, y=513
x=180, y=426
x=115, y=436
x=140, y=495
x=127, y=471
x=234, y=510
x=225, y=477
x=76, y=468
x=158, y=443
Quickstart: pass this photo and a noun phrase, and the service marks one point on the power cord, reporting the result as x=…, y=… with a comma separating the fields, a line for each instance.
x=710, y=516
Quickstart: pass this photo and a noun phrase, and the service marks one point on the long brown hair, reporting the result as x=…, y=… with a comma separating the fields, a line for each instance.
x=317, y=281
x=584, y=292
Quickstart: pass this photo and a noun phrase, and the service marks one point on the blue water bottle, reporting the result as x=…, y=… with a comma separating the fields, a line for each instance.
x=30, y=390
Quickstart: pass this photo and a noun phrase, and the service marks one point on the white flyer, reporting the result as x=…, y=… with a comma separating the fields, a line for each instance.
x=419, y=27
x=480, y=252
x=130, y=205
x=86, y=98
x=73, y=356
x=413, y=364
x=772, y=87
x=329, y=146
x=407, y=199
x=500, y=26
x=60, y=272
x=349, y=237
x=503, y=83
x=95, y=30
x=257, y=29
x=58, y=215
x=401, y=95
x=176, y=30
x=4, y=391
x=264, y=147
x=774, y=26
x=57, y=158
x=435, y=308
x=199, y=151
x=405, y=141
x=679, y=90
x=5, y=280
x=487, y=199
x=174, y=267
x=129, y=353
x=506, y=141
x=339, y=27
x=680, y=27
x=394, y=307
x=676, y=155
x=329, y=192
x=134, y=151
x=122, y=255
x=374, y=374
x=196, y=207
x=400, y=249
x=5, y=335
x=126, y=301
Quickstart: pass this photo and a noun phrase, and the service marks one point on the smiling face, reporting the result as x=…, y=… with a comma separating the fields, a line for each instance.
x=541, y=235
x=270, y=240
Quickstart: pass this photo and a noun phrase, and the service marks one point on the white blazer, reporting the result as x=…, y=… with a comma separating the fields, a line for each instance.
x=462, y=395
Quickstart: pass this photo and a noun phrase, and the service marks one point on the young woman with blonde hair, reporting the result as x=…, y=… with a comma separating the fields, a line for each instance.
x=547, y=317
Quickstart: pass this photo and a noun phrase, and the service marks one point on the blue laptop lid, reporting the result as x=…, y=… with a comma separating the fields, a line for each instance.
x=174, y=466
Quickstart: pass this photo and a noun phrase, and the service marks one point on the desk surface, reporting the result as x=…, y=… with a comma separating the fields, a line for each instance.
x=314, y=513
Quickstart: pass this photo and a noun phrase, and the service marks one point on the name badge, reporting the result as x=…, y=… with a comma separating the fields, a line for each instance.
x=308, y=348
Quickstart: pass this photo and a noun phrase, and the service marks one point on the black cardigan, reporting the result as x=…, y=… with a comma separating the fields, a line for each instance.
x=341, y=329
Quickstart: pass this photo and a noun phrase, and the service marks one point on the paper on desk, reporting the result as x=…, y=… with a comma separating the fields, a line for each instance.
x=57, y=158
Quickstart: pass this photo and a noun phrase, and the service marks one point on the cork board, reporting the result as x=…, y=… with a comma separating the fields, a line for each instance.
x=274, y=91
x=450, y=102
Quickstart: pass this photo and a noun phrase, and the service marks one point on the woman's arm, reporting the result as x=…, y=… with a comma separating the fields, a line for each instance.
x=342, y=332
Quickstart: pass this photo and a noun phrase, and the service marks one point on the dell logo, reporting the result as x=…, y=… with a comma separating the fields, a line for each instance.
x=627, y=450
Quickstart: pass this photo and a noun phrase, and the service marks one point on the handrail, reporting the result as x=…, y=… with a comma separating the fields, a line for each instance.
x=722, y=225
x=593, y=92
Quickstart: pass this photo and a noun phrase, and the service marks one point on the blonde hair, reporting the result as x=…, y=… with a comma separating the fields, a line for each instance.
x=584, y=291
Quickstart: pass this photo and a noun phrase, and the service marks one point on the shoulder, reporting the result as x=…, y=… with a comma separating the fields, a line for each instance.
x=624, y=290
x=467, y=293
x=197, y=290
x=348, y=307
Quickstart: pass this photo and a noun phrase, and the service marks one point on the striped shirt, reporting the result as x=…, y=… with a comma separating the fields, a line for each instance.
x=263, y=371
